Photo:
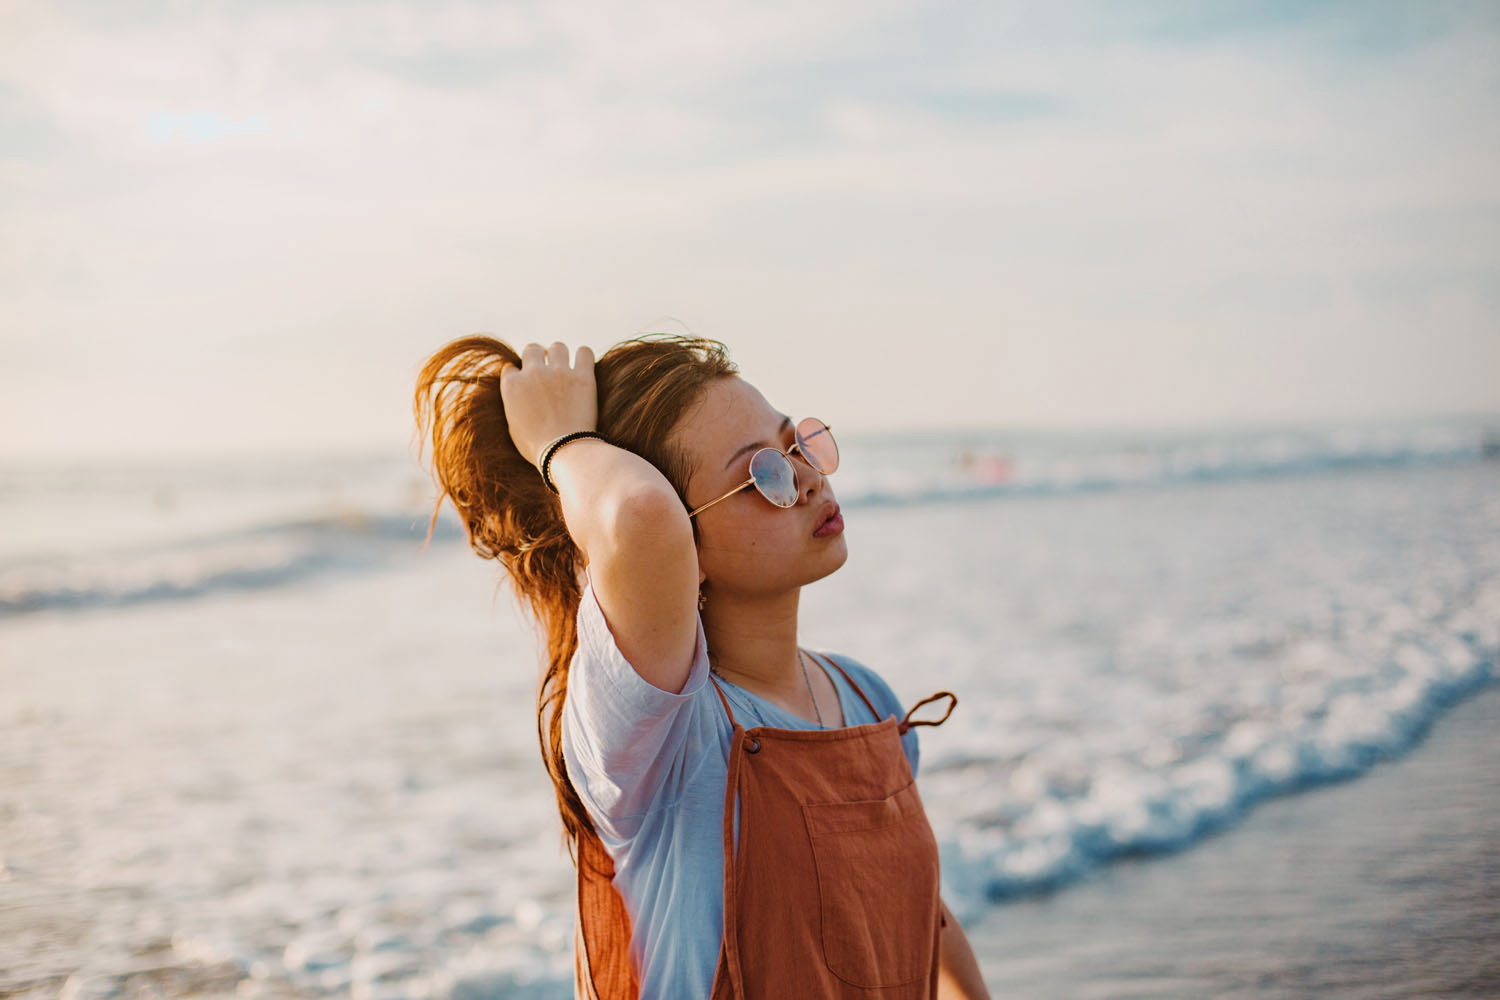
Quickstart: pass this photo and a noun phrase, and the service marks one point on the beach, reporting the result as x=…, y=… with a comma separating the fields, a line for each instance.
x=1225, y=727
x=1383, y=887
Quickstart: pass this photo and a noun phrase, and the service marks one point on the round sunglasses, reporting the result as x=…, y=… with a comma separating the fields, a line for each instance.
x=773, y=474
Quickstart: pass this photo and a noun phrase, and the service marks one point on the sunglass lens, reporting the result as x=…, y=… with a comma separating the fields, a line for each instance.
x=774, y=477
x=815, y=441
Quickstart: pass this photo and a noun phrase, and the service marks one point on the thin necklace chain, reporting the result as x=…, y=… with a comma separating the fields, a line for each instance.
x=802, y=658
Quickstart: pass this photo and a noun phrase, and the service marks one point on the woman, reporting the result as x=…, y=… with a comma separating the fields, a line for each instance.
x=744, y=810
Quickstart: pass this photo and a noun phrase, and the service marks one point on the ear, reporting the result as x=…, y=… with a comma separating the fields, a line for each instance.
x=701, y=576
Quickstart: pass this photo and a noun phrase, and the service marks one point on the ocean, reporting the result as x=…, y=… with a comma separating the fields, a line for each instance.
x=257, y=740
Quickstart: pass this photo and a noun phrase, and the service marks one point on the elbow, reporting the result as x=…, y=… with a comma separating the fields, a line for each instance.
x=651, y=514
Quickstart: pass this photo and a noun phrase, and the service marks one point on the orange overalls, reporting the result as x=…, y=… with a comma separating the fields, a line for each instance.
x=833, y=891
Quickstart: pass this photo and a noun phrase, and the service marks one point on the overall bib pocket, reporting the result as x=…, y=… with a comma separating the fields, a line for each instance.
x=877, y=864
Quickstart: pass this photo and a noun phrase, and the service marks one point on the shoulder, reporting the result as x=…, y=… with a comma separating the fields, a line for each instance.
x=883, y=698
x=598, y=658
x=870, y=681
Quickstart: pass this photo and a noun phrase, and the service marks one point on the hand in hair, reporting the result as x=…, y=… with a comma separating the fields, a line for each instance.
x=546, y=398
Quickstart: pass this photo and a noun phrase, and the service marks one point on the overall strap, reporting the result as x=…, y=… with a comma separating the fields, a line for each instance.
x=908, y=722
x=724, y=700
x=874, y=713
x=739, y=743
x=602, y=932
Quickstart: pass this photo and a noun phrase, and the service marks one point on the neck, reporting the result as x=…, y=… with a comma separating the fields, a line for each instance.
x=753, y=641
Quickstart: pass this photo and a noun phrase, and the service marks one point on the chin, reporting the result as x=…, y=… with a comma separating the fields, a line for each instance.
x=836, y=556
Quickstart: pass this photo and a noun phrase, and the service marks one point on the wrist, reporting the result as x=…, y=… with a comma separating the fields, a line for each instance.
x=544, y=459
x=548, y=442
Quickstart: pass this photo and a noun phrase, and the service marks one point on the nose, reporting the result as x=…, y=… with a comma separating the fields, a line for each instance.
x=809, y=479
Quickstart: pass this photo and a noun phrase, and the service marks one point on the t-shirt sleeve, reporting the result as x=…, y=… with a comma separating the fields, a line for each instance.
x=624, y=739
x=885, y=700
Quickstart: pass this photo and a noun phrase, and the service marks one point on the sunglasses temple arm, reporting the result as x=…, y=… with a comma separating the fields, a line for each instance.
x=726, y=496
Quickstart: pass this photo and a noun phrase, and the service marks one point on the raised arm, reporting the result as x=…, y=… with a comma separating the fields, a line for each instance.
x=619, y=509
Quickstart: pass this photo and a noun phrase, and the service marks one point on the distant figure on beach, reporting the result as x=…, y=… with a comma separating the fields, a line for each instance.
x=742, y=810
x=990, y=469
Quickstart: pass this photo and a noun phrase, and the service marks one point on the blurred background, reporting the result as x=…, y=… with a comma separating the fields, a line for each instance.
x=1162, y=341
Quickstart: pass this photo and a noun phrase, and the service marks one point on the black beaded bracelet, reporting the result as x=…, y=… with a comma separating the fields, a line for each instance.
x=551, y=449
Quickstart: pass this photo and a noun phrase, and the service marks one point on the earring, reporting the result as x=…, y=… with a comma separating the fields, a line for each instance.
x=701, y=600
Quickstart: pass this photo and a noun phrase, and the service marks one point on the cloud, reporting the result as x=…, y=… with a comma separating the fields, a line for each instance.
x=201, y=126
x=1039, y=183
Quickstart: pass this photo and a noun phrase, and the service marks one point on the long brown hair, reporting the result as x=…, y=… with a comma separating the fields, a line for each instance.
x=645, y=386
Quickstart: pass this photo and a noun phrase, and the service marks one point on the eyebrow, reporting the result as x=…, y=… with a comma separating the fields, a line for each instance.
x=785, y=423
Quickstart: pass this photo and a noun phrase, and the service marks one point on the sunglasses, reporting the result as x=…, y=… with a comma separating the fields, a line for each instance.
x=773, y=474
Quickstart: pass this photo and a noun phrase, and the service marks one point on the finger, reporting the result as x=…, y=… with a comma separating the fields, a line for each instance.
x=583, y=358
x=507, y=366
x=532, y=355
x=557, y=355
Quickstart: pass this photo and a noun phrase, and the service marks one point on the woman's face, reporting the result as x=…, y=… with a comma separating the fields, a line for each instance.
x=747, y=546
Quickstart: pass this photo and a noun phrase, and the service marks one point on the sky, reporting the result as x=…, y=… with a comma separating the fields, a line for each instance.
x=242, y=227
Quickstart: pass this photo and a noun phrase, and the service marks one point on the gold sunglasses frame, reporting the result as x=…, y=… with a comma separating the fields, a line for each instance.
x=795, y=446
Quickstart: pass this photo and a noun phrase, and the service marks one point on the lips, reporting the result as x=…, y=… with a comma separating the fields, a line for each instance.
x=827, y=514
